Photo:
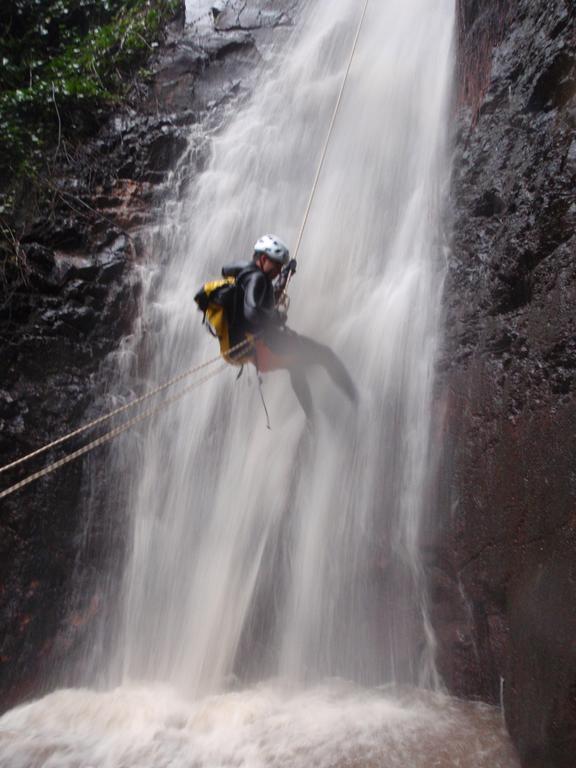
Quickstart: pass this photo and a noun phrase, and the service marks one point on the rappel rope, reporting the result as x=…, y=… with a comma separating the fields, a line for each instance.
x=330, y=131
x=328, y=137
x=107, y=436
x=120, y=428
x=147, y=414
x=116, y=411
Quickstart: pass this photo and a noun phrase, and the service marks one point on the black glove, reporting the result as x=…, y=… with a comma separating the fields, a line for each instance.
x=288, y=270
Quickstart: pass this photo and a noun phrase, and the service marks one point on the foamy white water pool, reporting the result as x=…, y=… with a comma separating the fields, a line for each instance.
x=334, y=725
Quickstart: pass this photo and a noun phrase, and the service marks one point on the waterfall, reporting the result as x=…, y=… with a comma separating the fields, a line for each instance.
x=271, y=608
x=291, y=552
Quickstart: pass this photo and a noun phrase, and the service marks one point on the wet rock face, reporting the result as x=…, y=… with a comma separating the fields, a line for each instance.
x=58, y=321
x=66, y=309
x=503, y=576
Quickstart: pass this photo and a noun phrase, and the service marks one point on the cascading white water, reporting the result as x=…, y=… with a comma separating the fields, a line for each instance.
x=292, y=553
x=278, y=551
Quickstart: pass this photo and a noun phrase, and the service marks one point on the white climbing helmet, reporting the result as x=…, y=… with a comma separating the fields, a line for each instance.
x=273, y=247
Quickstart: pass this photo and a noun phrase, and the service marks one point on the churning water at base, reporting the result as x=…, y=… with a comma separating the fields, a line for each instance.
x=293, y=554
x=335, y=726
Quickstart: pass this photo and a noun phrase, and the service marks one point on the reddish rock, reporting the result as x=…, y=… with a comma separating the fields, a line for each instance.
x=503, y=570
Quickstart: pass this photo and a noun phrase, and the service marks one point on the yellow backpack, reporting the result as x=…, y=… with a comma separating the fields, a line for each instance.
x=216, y=299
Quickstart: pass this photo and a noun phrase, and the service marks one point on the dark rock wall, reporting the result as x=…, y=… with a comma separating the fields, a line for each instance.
x=504, y=571
x=67, y=310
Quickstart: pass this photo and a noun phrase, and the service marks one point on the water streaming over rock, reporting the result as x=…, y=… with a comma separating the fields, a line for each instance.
x=294, y=552
x=291, y=554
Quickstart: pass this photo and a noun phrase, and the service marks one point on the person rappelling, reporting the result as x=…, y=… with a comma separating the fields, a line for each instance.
x=247, y=311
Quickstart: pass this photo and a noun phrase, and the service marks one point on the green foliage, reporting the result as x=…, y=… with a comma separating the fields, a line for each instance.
x=62, y=63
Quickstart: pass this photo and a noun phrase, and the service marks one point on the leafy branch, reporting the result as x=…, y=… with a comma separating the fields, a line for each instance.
x=63, y=65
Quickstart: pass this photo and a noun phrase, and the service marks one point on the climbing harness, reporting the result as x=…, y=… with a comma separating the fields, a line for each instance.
x=282, y=300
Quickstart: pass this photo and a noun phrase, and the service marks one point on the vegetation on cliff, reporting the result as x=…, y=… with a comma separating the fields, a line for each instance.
x=64, y=64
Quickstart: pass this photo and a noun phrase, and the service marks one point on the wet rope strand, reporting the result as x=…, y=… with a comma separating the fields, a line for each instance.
x=107, y=436
x=120, y=409
x=330, y=130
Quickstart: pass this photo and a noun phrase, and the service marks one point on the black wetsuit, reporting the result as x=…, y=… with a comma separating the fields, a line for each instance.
x=254, y=311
